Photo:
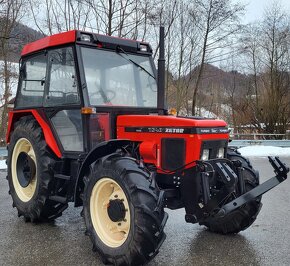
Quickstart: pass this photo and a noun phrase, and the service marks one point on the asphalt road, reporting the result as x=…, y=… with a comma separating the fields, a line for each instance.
x=266, y=242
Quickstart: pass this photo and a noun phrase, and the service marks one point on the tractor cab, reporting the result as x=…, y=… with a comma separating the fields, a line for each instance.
x=100, y=75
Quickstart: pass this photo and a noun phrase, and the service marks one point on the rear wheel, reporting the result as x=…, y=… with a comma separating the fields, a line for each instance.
x=243, y=217
x=124, y=216
x=30, y=173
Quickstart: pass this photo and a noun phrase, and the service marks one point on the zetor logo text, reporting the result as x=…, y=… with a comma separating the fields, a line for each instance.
x=165, y=130
x=174, y=130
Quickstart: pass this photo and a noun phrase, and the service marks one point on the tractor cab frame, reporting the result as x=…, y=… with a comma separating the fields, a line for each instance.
x=103, y=76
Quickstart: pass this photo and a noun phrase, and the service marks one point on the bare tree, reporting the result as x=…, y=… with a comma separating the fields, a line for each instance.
x=58, y=16
x=267, y=48
x=217, y=21
x=276, y=81
x=10, y=15
x=122, y=18
x=181, y=32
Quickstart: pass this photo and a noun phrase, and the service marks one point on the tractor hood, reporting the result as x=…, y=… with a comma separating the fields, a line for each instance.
x=171, y=142
x=161, y=124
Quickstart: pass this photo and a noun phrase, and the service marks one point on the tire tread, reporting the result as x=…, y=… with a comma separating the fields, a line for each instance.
x=39, y=208
x=245, y=216
x=148, y=224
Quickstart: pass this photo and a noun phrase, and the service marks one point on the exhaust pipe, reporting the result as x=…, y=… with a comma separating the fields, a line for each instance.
x=161, y=73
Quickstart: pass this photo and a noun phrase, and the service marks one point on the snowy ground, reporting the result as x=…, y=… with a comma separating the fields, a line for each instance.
x=3, y=164
x=262, y=151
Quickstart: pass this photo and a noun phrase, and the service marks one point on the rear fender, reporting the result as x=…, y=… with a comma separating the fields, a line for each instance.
x=14, y=116
x=101, y=150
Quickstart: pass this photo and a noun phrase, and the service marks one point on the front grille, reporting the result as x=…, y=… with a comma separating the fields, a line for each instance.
x=213, y=147
x=172, y=153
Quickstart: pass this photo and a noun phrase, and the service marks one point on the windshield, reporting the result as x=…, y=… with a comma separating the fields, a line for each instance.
x=114, y=80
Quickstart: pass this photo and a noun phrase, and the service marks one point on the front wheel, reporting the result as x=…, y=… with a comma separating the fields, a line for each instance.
x=123, y=214
x=243, y=217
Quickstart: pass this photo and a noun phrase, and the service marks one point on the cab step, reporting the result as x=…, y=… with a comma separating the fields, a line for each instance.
x=59, y=199
x=61, y=176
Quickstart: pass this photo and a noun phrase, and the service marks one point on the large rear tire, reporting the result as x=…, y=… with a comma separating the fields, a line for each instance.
x=244, y=216
x=30, y=173
x=123, y=214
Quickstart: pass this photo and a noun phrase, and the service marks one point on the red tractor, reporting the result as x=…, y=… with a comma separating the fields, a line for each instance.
x=90, y=126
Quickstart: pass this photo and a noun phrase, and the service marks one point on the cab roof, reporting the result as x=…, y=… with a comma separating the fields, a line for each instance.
x=97, y=40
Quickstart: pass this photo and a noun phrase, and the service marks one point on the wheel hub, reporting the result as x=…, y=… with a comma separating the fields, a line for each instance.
x=26, y=169
x=116, y=210
x=110, y=212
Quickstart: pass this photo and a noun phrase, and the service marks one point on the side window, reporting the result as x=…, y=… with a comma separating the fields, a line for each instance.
x=62, y=88
x=32, y=81
x=68, y=125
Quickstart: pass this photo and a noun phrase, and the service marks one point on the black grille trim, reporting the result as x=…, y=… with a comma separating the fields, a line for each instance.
x=172, y=153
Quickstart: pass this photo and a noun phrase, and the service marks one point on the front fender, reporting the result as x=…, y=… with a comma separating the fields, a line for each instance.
x=50, y=140
x=101, y=150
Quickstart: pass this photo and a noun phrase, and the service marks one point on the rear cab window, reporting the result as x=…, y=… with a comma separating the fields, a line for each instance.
x=32, y=81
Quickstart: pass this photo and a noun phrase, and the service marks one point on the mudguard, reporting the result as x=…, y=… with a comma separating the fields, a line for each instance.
x=101, y=150
x=14, y=116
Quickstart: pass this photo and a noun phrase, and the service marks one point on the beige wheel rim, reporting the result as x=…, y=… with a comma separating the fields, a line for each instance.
x=111, y=233
x=24, y=193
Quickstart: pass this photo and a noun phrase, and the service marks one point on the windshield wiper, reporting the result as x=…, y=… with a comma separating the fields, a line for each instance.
x=119, y=49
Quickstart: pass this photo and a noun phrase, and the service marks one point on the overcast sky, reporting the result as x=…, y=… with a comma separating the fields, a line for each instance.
x=255, y=8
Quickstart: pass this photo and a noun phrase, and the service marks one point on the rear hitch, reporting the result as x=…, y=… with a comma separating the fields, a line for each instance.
x=280, y=169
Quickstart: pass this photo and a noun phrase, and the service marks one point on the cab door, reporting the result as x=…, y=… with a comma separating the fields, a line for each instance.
x=62, y=99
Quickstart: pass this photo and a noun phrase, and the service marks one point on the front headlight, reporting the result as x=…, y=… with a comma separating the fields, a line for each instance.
x=221, y=153
x=205, y=155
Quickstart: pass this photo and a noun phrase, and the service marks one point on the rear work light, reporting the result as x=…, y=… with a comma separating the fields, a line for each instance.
x=143, y=48
x=85, y=37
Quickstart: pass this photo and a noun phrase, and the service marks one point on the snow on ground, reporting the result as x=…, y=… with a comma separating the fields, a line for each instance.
x=3, y=164
x=206, y=113
x=200, y=112
x=264, y=151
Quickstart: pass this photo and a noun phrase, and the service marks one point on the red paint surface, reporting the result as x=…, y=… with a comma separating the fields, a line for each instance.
x=48, y=135
x=193, y=141
x=58, y=39
x=166, y=121
x=148, y=150
x=50, y=41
